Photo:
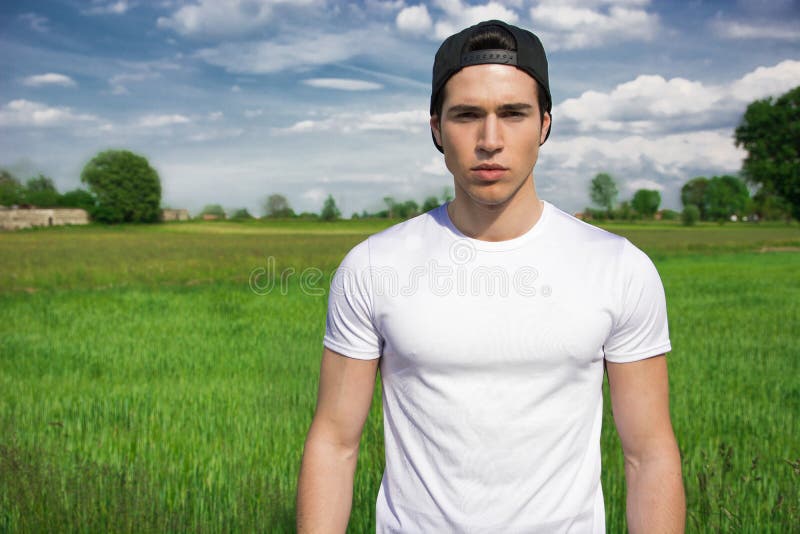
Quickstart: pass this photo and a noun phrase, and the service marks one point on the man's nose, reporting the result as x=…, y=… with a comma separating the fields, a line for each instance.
x=491, y=137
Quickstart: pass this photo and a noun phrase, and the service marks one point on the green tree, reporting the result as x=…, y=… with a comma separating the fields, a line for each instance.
x=603, y=191
x=770, y=133
x=447, y=194
x=391, y=207
x=430, y=203
x=693, y=193
x=11, y=190
x=727, y=195
x=690, y=215
x=41, y=191
x=77, y=198
x=126, y=187
x=625, y=212
x=646, y=202
x=329, y=210
x=213, y=209
x=277, y=205
x=407, y=209
x=771, y=207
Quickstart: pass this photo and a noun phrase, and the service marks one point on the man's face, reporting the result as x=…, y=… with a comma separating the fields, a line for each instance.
x=490, y=129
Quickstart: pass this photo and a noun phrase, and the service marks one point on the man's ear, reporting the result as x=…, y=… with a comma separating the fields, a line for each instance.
x=545, y=128
x=437, y=133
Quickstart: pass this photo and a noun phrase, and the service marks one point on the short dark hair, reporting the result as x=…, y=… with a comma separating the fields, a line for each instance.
x=492, y=38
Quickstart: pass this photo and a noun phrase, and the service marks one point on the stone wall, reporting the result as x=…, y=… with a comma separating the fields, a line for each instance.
x=174, y=215
x=17, y=218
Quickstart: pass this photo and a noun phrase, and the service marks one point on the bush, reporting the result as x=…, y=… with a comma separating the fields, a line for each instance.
x=670, y=215
x=11, y=190
x=241, y=214
x=77, y=198
x=214, y=210
x=595, y=215
x=690, y=215
x=40, y=191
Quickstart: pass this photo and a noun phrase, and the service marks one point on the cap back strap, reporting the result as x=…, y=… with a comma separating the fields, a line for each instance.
x=480, y=57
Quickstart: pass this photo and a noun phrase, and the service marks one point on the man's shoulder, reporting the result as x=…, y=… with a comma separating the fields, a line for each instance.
x=396, y=242
x=417, y=226
x=571, y=231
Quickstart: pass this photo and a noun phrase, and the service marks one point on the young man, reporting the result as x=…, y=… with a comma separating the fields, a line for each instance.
x=492, y=319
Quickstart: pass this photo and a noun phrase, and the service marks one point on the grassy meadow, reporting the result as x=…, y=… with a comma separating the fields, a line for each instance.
x=145, y=387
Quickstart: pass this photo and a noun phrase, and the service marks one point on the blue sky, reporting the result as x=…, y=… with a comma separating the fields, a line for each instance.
x=233, y=100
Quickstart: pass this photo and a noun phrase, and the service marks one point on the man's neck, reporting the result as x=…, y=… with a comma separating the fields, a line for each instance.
x=499, y=222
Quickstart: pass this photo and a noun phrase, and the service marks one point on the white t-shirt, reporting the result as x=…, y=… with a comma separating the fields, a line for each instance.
x=492, y=366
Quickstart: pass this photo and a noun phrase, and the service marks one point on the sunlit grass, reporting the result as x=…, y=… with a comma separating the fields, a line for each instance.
x=145, y=387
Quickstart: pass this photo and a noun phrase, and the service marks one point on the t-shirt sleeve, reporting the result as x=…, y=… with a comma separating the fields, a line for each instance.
x=640, y=328
x=350, y=327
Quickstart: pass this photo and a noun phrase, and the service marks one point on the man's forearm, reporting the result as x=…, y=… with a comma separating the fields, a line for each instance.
x=655, y=501
x=325, y=486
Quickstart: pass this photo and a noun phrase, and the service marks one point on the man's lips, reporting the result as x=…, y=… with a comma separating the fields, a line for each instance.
x=489, y=171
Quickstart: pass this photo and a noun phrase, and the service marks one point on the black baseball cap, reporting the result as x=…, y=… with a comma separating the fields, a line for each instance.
x=528, y=56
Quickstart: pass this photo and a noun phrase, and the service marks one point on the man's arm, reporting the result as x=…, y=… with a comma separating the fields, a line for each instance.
x=640, y=402
x=325, y=487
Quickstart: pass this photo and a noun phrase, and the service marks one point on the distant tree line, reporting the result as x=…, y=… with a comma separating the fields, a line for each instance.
x=122, y=188
x=720, y=198
x=40, y=191
x=644, y=204
x=277, y=206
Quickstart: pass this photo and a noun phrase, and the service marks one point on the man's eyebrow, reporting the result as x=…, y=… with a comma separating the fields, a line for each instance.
x=520, y=106
x=464, y=108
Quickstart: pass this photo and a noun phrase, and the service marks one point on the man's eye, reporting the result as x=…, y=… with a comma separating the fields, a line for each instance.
x=466, y=115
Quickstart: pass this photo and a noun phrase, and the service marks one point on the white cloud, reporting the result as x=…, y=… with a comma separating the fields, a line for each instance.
x=305, y=126
x=767, y=81
x=27, y=113
x=459, y=16
x=236, y=89
x=215, y=18
x=215, y=134
x=101, y=7
x=650, y=104
x=436, y=167
x=262, y=57
x=36, y=22
x=158, y=121
x=51, y=78
x=253, y=113
x=343, y=84
x=140, y=71
x=215, y=115
x=643, y=183
x=586, y=24
x=411, y=121
x=119, y=83
x=315, y=195
x=775, y=30
x=384, y=5
x=414, y=20
x=408, y=121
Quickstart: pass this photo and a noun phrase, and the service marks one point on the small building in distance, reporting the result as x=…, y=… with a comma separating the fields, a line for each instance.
x=16, y=218
x=174, y=215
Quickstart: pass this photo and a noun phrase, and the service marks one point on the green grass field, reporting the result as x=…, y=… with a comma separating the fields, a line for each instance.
x=145, y=387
